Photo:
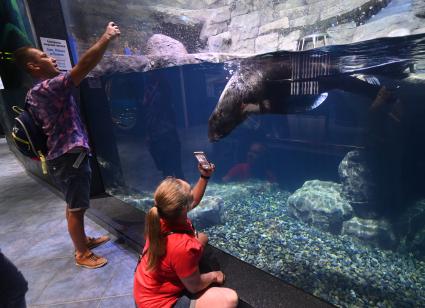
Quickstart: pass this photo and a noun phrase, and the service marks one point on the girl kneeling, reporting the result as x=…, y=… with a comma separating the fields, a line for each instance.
x=168, y=274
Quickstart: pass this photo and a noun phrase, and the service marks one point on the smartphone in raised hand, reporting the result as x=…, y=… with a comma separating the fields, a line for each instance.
x=202, y=159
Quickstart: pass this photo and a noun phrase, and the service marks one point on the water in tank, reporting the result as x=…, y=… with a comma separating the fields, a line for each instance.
x=319, y=153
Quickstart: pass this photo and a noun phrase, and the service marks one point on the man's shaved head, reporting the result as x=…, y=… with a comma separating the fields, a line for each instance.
x=36, y=62
x=24, y=55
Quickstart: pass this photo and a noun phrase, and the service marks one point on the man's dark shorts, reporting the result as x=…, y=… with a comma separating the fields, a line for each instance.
x=73, y=182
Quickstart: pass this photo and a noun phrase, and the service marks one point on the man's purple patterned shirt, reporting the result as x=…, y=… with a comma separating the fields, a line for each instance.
x=53, y=107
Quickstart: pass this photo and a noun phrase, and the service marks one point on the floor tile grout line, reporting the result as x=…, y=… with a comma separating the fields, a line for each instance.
x=38, y=242
x=21, y=174
x=54, y=275
x=48, y=284
x=27, y=262
x=80, y=301
x=113, y=296
x=101, y=296
x=109, y=282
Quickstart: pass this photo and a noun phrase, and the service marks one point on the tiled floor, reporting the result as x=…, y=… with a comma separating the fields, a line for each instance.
x=34, y=236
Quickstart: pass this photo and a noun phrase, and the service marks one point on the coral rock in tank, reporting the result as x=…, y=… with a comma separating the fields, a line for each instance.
x=162, y=51
x=163, y=45
x=417, y=245
x=357, y=184
x=320, y=204
x=371, y=231
x=419, y=8
x=111, y=64
x=412, y=230
x=208, y=213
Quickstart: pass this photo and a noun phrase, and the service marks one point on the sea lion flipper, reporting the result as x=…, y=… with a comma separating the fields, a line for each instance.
x=348, y=84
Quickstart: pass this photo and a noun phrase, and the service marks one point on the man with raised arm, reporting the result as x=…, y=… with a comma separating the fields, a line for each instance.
x=52, y=105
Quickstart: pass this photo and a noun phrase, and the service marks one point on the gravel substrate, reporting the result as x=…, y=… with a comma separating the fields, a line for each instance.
x=339, y=269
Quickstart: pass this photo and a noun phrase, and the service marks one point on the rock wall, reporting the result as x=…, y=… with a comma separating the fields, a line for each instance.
x=263, y=26
x=256, y=26
x=405, y=22
x=418, y=6
x=250, y=26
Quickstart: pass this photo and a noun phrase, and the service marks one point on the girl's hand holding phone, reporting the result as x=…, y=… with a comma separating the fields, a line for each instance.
x=206, y=172
x=204, y=166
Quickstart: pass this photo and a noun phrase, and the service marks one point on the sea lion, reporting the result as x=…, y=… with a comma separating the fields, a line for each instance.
x=287, y=83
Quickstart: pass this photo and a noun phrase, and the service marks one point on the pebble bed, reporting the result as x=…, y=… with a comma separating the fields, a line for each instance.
x=338, y=269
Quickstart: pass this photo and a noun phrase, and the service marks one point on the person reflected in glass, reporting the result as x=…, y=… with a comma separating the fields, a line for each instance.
x=385, y=147
x=255, y=166
x=127, y=49
x=136, y=51
x=159, y=119
x=167, y=274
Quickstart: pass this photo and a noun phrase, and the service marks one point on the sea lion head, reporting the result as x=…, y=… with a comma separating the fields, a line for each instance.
x=226, y=116
x=240, y=98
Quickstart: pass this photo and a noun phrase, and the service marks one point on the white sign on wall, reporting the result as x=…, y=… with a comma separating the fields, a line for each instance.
x=57, y=49
x=1, y=84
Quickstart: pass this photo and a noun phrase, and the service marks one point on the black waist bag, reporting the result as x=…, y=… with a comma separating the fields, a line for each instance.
x=29, y=138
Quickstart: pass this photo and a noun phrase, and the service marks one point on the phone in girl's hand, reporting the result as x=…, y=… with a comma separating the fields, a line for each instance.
x=202, y=159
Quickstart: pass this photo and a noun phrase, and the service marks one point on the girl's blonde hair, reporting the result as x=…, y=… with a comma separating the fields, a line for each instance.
x=171, y=198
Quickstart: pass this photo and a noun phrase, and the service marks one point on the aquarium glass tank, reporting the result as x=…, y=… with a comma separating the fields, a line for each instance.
x=312, y=111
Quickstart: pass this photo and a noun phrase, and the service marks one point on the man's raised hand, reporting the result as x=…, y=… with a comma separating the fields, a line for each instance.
x=112, y=31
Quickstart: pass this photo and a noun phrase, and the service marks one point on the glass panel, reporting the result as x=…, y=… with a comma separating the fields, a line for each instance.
x=320, y=154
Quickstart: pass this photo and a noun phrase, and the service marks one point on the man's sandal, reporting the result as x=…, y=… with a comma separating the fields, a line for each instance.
x=93, y=242
x=90, y=260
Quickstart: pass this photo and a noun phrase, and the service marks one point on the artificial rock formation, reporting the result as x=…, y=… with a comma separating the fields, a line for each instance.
x=252, y=26
x=208, y=213
x=371, y=231
x=163, y=45
x=411, y=229
x=358, y=187
x=162, y=51
x=321, y=204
